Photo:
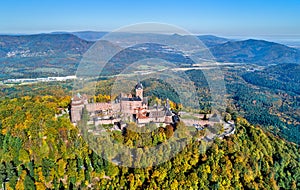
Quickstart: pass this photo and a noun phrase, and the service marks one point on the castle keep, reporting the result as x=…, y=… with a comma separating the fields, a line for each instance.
x=125, y=108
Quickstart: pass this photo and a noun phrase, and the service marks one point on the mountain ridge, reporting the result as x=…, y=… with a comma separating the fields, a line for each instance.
x=63, y=50
x=254, y=51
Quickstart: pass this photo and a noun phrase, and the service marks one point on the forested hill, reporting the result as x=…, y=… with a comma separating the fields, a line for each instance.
x=41, y=151
x=40, y=55
x=284, y=77
x=255, y=51
x=208, y=40
x=42, y=44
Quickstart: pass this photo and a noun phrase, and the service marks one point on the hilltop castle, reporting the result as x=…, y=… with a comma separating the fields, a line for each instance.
x=124, y=108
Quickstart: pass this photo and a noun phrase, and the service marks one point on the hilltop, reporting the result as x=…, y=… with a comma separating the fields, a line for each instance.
x=255, y=51
x=40, y=55
x=39, y=149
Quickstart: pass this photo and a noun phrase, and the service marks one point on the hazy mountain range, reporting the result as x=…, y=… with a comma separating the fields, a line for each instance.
x=63, y=51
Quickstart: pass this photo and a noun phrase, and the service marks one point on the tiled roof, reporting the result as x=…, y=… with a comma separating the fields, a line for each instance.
x=132, y=99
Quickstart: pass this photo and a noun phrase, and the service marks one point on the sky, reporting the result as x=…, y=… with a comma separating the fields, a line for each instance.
x=218, y=17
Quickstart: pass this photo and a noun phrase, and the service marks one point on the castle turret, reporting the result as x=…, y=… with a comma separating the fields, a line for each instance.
x=139, y=90
x=167, y=106
x=168, y=113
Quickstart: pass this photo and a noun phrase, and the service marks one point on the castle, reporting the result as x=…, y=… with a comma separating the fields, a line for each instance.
x=125, y=108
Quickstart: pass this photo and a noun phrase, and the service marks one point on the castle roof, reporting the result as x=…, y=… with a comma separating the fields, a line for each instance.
x=131, y=99
x=79, y=97
x=215, y=118
x=139, y=86
x=168, y=113
x=76, y=98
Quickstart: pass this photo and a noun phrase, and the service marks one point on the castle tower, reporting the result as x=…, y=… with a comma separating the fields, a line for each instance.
x=168, y=107
x=168, y=114
x=139, y=90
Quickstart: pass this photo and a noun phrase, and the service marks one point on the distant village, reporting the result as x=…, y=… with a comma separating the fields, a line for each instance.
x=135, y=108
x=35, y=80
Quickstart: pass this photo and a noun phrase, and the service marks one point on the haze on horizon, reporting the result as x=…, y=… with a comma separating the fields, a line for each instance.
x=273, y=18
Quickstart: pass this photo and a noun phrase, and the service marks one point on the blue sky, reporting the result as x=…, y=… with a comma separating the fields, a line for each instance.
x=219, y=17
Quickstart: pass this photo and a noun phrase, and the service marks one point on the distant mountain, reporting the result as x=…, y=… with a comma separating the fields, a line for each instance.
x=123, y=59
x=255, y=51
x=44, y=44
x=40, y=55
x=89, y=35
x=210, y=40
x=60, y=52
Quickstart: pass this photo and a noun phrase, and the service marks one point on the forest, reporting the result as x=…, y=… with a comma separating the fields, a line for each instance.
x=41, y=149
